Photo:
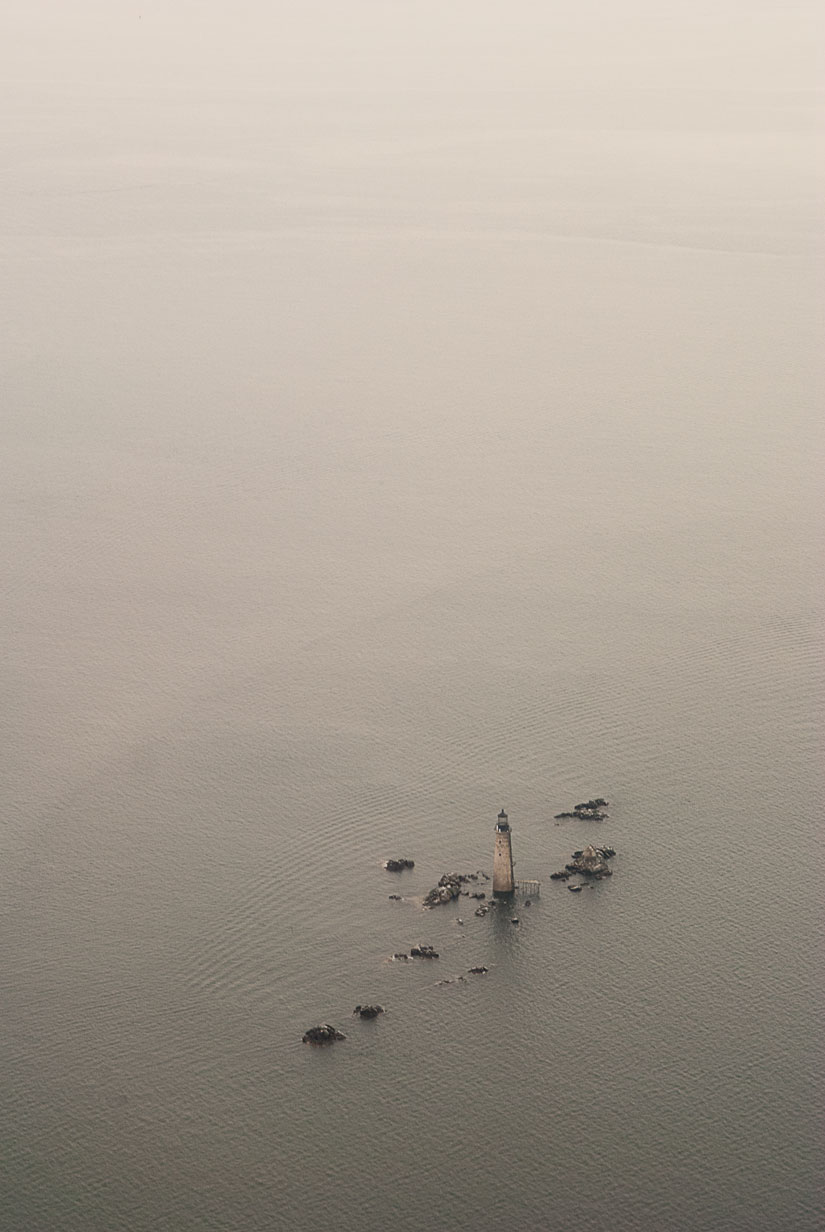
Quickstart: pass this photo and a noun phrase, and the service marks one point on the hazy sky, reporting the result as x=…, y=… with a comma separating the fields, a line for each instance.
x=442, y=44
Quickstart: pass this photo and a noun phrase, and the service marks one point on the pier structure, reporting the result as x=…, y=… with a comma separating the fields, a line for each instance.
x=503, y=880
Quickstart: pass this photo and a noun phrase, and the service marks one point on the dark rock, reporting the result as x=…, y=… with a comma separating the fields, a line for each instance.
x=324, y=1033
x=481, y=911
x=397, y=866
x=528, y=902
x=368, y=1011
x=514, y=920
x=559, y=876
x=394, y=898
x=588, y=810
x=591, y=862
x=478, y=970
x=448, y=888
x=401, y=957
x=423, y=951
x=574, y=889
x=478, y=894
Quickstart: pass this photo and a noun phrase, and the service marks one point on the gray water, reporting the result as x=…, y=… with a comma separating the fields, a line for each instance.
x=374, y=459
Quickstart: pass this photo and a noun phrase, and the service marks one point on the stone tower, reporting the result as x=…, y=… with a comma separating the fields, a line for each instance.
x=503, y=882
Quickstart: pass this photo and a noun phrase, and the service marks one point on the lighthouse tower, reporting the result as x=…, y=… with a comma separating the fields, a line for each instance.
x=503, y=882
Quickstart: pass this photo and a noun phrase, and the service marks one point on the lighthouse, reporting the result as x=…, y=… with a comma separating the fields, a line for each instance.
x=503, y=882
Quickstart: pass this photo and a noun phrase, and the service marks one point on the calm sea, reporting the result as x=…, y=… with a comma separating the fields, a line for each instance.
x=372, y=461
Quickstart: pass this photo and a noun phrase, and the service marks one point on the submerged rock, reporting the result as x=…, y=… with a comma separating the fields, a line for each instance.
x=324, y=1033
x=397, y=866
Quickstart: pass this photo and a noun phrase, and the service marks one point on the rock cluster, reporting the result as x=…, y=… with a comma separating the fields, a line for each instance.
x=450, y=886
x=589, y=810
x=591, y=862
x=324, y=1033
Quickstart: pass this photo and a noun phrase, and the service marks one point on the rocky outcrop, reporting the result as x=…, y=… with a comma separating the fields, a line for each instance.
x=397, y=866
x=450, y=886
x=588, y=810
x=591, y=862
x=368, y=1011
x=324, y=1033
x=423, y=951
